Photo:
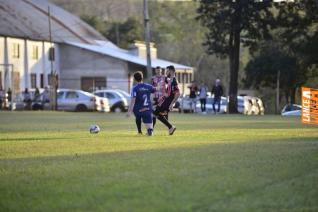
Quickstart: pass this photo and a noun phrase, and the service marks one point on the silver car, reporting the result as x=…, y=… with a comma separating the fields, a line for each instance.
x=117, y=101
x=291, y=110
x=75, y=100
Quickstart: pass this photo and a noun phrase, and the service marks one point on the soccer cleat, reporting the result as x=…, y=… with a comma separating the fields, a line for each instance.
x=150, y=132
x=171, y=130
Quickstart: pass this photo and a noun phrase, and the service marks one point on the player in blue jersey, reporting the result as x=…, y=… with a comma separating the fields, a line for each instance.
x=141, y=103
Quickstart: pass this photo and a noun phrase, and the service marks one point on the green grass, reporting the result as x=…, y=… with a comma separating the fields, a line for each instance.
x=50, y=162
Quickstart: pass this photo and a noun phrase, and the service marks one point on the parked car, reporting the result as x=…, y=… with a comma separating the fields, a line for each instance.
x=125, y=94
x=291, y=110
x=247, y=105
x=18, y=100
x=250, y=105
x=74, y=100
x=117, y=101
x=184, y=104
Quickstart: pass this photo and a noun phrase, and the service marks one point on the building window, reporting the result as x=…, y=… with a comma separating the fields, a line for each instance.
x=16, y=50
x=93, y=83
x=191, y=77
x=33, y=80
x=1, y=81
x=35, y=52
x=52, y=54
x=42, y=80
x=179, y=77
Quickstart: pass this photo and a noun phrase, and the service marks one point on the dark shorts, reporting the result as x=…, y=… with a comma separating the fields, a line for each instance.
x=146, y=116
x=163, y=108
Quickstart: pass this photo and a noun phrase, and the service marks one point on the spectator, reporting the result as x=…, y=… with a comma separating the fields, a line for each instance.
x=202, y=95
x=9, y=97
x=45, y=96
x=36, y=94
x=193, y=97
x=27, y=99
x=2, y=95
x=217, y=90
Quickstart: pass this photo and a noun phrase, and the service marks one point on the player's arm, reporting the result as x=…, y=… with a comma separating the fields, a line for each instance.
x=176, y=96
x=176, y=92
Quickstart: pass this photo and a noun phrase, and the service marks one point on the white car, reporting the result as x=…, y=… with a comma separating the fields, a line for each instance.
x=291, y=110
x=75, y=100
x=250, y=105
x=117, y=101
x=184, y=104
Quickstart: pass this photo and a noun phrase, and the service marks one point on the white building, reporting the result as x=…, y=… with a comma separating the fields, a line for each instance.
x=81, y=57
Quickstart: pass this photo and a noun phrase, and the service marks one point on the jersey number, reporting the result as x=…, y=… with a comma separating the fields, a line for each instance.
x=145, y=100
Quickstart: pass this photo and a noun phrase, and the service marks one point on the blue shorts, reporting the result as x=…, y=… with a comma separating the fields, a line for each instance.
x=146, y=116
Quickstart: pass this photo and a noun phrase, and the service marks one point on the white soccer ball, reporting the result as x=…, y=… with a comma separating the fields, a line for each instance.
x=94, y=129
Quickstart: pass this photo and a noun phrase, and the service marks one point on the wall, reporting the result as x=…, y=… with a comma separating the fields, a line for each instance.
x=79, y=63
x=25, y=64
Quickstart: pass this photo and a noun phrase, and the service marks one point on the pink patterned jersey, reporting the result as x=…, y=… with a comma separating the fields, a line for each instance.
x=159, y=82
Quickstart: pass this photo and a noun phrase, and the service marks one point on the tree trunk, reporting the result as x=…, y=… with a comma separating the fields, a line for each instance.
x=235, y=58
x=293, y=95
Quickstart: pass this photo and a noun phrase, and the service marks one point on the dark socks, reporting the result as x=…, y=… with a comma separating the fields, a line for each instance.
x=164, y=121
x=138, y=123
x=149, y=131
x=154, y=120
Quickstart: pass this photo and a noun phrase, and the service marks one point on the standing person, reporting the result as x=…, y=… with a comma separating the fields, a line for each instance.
x=27, y=99
x=1, y=97
x=202, y=95
x=166, y=103
x=159, y=82
x=193, y=97
x=217, y=90
x=36, y=94
x=141, y=103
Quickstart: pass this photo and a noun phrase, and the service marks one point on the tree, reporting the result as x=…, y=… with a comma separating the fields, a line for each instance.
x=292, y=51
x=124, y=33
x=262, y=70
x=230, y=23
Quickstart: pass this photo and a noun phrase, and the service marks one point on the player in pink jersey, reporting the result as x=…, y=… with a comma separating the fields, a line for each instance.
x=159, y=81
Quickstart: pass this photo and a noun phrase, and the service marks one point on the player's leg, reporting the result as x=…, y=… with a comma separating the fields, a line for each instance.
x=154, y=119
x=147, y=119
x=159, y=113
x=219, y=104
x=138, y=122
x=213, y=105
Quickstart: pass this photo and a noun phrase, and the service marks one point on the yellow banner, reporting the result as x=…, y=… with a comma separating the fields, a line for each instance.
x=309, y=111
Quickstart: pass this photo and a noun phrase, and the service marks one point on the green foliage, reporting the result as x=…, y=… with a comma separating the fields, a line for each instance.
x=96, y=22
x=224, y=163
x=292, y=51
x=262, y=70
x=229, y=24
x=125, y=33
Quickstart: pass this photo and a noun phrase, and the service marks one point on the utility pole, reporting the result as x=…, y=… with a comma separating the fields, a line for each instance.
x=53, y=82
x=147, y=38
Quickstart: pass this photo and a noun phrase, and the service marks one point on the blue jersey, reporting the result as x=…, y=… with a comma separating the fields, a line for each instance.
x=142, y=92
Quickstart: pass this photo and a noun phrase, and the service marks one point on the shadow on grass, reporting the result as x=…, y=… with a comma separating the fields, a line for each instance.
x=185, y=146
x=34, y=139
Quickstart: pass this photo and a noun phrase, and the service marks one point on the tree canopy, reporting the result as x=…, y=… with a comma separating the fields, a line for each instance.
x=229, y=24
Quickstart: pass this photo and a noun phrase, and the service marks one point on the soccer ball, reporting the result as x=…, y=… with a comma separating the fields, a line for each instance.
x=94, y=129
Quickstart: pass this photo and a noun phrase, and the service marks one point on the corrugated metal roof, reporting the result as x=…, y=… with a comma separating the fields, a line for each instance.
x=109, y=49
x=29, y=19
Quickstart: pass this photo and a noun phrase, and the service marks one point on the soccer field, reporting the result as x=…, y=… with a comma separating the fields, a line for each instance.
x=50, y=162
